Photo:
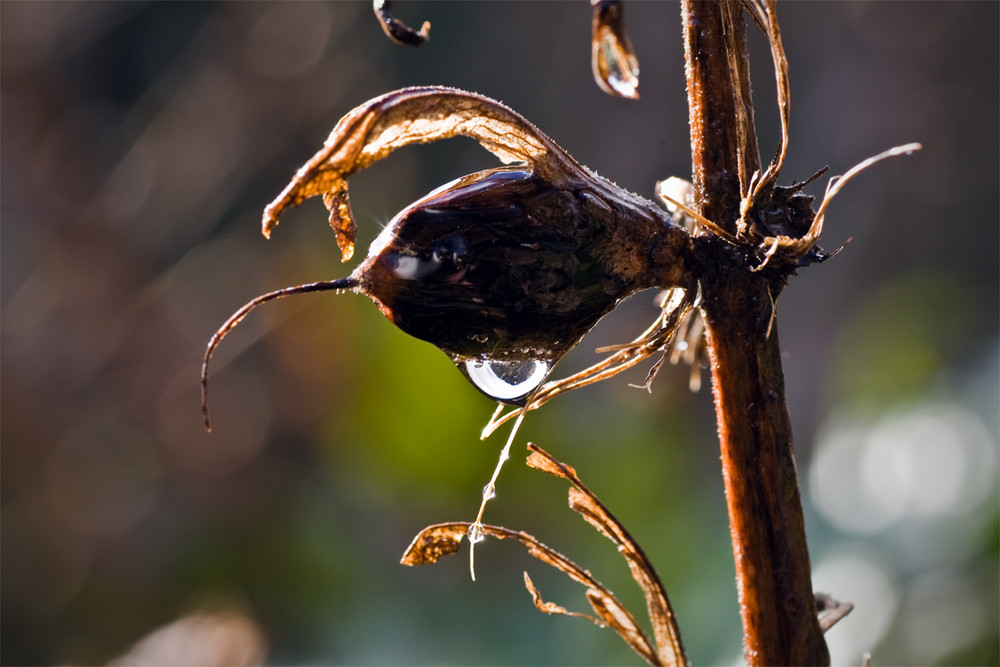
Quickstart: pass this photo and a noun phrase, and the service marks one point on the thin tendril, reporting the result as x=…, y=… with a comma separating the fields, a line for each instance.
x=237, y=317
x=476, y=527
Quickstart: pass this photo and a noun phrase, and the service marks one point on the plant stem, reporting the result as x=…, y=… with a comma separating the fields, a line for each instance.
x=776, y=600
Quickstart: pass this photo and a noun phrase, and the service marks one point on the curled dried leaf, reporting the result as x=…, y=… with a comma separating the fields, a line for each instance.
x=395, y=29
x=777, y=225
x=670, y=650
x=400, y=118
x=613, y=60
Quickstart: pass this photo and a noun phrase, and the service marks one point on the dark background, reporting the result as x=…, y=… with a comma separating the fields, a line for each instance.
x=140, y=143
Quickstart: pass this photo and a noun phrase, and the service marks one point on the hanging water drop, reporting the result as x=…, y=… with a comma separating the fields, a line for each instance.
x=622, y=74
x=506, y=381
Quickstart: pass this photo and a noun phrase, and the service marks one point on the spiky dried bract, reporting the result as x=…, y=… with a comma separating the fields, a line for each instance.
x=776, y=225
x=410, y=116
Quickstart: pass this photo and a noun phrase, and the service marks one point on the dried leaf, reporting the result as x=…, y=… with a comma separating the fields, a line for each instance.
x=669, y=647
x=540, y=462
x=612, y=58
x=787, y=248
x=395, y=29
x=621, y=621
x=433, y=542
x=442, y=539
x=411, y=116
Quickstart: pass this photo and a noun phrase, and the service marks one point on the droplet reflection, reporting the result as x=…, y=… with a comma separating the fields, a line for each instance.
x=476, y=533
x=622, y=69
x=506, y=381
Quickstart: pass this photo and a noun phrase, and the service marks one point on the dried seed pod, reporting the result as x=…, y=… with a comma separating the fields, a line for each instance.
x=504, y=270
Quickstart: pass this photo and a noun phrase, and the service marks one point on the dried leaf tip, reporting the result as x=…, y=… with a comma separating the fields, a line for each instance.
x=410, y=116
x=395, y=29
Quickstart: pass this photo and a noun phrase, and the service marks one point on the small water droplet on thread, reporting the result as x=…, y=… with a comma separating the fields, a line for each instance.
x=489, y=492
x=476, y=533
x=507, y=380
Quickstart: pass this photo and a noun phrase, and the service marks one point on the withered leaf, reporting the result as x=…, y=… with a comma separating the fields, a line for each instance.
x=433, y=542
x=545, y=464
x=411, y=116
x=442, y=539
x=670, y=650
x=612, y=59
x=618, y=618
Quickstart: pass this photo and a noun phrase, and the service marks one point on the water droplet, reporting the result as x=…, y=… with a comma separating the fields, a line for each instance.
x=506, y=381
x=476, y=533
x=622, y=68
x=489, y=492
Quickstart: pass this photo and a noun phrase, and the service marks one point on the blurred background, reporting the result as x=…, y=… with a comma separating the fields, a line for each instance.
x=141, y=142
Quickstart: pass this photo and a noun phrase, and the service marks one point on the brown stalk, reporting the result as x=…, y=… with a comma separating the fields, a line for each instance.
x=776, y=600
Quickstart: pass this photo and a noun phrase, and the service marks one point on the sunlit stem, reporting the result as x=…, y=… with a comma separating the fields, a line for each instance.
x=237, y=317
x=476, y=531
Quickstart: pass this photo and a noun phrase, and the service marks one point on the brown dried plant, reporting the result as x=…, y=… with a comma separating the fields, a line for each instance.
x=505, y=270
x=666, y=648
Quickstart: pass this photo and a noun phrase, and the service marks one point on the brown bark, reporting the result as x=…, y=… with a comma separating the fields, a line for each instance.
x=776, y=600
